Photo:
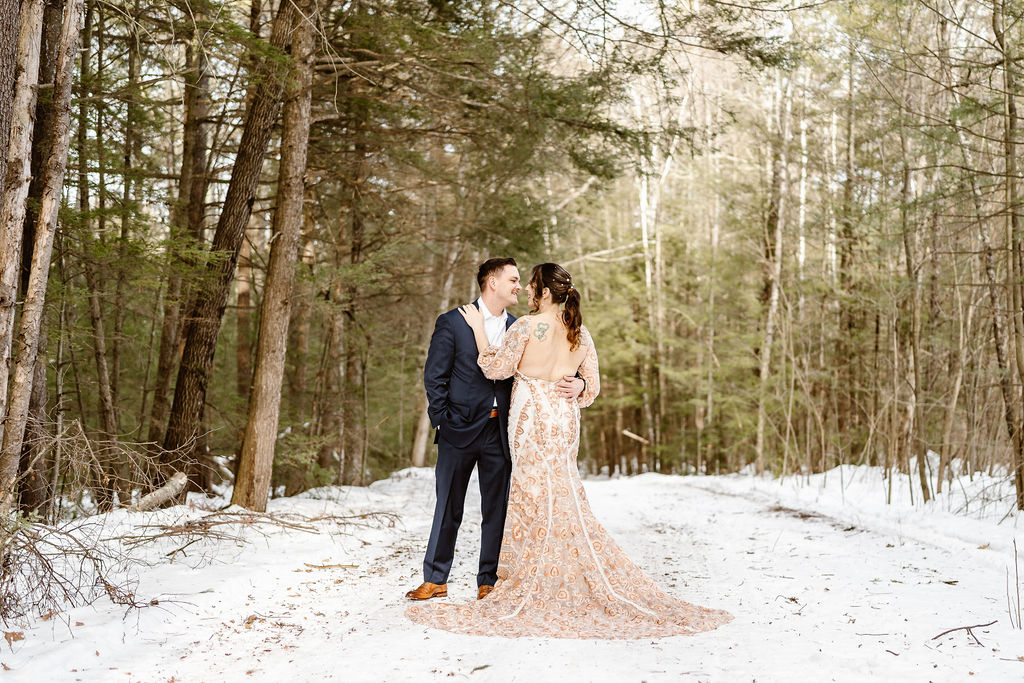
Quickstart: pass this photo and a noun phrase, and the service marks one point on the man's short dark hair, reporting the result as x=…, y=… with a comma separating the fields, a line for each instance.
x=490, y=267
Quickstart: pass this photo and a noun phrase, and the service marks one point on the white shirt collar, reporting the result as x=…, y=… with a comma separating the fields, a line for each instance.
x=487, y=312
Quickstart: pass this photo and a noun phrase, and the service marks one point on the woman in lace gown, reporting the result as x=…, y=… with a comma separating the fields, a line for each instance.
x=560, y=574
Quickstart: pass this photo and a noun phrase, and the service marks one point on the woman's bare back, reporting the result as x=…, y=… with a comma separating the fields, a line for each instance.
x=547, y=355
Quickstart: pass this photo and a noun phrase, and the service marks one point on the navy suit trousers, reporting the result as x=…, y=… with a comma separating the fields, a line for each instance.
x=452, y=472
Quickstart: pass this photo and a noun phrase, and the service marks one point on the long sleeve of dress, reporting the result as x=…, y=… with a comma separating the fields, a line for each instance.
x=588, y=370
x=500, y=362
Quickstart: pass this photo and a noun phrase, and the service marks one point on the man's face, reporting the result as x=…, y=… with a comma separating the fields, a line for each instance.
x=507, y=286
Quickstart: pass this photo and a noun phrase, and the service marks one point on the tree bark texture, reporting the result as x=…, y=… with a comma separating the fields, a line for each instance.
x=32, y=471
x=164, y=494
x=32, y=487
x=18, y=175
x=186, y=225
x=11, y=11
x=252, y=484
x=243, y=312
x=42, y=138
x=32, y=311
x=773, y=255
x=915, y=438
x=111, y=475
x=1015, y=238
x=205, y=311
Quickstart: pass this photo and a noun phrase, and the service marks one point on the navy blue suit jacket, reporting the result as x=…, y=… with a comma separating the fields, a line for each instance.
x=459, y=397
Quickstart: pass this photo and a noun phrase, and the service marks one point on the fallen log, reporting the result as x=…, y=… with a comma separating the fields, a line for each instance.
x=163, y=494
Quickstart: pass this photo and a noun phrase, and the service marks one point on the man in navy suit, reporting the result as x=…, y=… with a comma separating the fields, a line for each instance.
x=470, y=413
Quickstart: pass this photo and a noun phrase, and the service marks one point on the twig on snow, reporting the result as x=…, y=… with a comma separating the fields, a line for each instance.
x=968, y=629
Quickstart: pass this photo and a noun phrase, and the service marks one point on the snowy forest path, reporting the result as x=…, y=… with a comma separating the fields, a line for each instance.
x=811, y=592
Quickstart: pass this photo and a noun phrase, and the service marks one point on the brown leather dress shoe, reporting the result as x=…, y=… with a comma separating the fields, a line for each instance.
x=428, y=590
x=483, y=591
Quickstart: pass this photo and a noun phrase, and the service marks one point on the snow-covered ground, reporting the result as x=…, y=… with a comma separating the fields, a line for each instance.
x=824, y=580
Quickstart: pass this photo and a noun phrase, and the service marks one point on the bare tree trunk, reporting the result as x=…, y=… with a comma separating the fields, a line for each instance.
x=353, y=436
x=353, y=404
x=243, y=310
x=18, y=175
x=986, y=256
x=910, y=247
x=423, y=427
x=58, y=391
x=11, y=11
x=299, y=328
x=112, y=476
x=187, y=223
x=773, y=232
x=328, y=422
x=32, y=470
x=130, y=145
x=964, y=330
x=1015, y=238
x=32, y=310
x=845, y=374
x=252, y=484
x=206, y=307
x=42, y=137
x=647, y=367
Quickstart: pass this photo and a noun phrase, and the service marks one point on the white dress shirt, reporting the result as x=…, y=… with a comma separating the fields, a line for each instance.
x=494, y=327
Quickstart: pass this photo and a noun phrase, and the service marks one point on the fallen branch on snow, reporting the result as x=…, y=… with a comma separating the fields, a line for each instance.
x=163, y=494
x=968, y=629
x=205, y=527
x=45, y=569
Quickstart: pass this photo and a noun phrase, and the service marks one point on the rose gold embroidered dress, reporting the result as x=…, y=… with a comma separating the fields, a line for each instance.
x=560, y=574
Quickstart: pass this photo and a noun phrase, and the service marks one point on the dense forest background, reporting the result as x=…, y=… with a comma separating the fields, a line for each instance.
x=227, y=229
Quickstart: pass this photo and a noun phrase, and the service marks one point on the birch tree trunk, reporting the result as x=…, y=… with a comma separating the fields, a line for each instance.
x=207, y=302
x=32, y=310
x=257, y=455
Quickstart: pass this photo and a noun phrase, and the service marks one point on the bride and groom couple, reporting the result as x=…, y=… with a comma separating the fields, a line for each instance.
x=505, y=396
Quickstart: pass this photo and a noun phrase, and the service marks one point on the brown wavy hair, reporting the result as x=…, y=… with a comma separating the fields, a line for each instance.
x=558, y=281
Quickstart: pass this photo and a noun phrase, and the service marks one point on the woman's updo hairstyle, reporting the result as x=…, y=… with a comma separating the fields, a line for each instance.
x=558, y=281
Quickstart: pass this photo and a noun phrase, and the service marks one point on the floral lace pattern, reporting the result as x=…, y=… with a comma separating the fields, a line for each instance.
x=560, y=574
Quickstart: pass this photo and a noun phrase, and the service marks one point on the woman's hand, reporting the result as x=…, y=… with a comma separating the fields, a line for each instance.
x=474, y=318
